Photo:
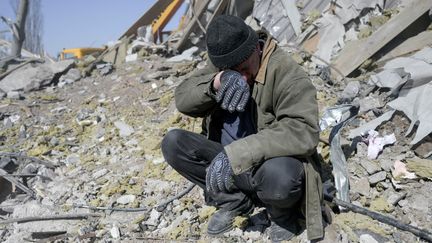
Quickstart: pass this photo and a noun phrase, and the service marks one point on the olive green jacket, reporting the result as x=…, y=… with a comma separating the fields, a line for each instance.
x=286, y=113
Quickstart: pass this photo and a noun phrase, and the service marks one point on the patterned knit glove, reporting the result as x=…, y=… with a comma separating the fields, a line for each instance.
x=219, y=174
x=234, y=91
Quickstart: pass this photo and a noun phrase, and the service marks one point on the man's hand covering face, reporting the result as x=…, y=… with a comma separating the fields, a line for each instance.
x=234, y=91
x=219, y=174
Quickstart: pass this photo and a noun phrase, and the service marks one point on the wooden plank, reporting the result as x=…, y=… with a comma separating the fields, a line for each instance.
x=17, y=183
x=148, y=17
x=310, y=45
x=189, y=27
x=410, y=45
x=351, y=58
x=219, y=9
x=111, y=55
x=160, y=23
x=122, y=51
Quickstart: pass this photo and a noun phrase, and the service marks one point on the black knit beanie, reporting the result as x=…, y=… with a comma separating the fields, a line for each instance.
x=229, y=41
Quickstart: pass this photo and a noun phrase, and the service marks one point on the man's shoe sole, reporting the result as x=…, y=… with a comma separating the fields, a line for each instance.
x=219, y=232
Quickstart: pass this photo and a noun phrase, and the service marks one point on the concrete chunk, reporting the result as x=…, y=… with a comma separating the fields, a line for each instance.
x=375, y=178
x=31, y=78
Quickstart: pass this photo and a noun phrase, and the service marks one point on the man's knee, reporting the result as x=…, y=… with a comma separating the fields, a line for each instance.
x=280, y=181
x=170, y=145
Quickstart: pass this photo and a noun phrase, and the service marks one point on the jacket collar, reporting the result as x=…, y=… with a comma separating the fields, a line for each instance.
x=269, y=47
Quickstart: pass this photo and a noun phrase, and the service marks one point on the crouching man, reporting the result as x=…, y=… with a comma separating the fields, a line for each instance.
x=260, y=132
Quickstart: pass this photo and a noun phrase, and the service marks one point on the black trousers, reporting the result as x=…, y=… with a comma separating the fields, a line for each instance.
x=277, y=184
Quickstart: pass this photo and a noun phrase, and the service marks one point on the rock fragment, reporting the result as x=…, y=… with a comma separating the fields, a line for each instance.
x=366, y=238
x=124, y=129
x=361, y=186
x=115, y=232
x=100, y=173
x=375, y=178
x=370, y=166
x=126, y=199
x=15, y=95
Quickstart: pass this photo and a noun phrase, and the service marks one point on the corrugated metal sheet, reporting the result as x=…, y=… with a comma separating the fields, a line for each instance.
x=272, y=16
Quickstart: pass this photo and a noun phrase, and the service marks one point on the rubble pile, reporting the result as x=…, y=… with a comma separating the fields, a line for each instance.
x=80, y=140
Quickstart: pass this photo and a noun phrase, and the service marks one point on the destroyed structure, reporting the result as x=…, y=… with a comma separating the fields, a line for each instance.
x=80, y=140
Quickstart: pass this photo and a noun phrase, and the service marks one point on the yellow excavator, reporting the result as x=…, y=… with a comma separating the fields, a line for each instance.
x=158, y=17
x=78, y=53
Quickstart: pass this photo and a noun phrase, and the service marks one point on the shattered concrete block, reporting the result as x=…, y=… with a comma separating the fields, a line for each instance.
x=126, y=199
x=361, y=186
x=366, y=238
x=186, y=55
x=375, y=178
x=115, y=232
x=369, y=103
x=351, y=90
x=73, y=159
x=104, y=68
x=71, y=76
x=100, y=173
x=131, y=57
x=31, y=78
x=419, y=202
x=370, y=166
x=154, y=218
x=15, y=95
x=395, y=197
x=159, y=160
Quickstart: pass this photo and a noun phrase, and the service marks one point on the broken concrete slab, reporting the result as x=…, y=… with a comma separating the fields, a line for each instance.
x=351, y=90
x=186, y=55
x=369, y=103
x=71, y=76
x=394, y=197
x=14, y=95
x=31, y=78
x=370, y=167
x=361, y=186
x=375, y=178
x=104, y=68
x=126, y=199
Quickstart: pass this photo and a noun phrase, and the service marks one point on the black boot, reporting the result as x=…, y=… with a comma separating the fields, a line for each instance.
x=284, y=225
x=222, y=220
x=278, y=233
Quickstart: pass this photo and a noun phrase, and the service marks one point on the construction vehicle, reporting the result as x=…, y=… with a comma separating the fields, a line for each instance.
x=157, y=16
x=78, y=53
